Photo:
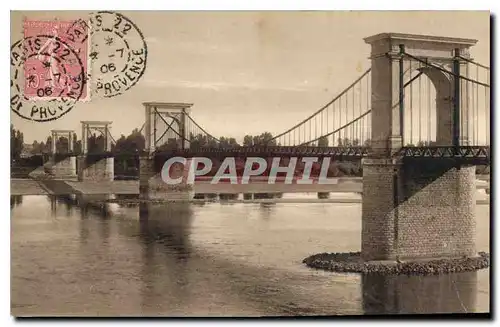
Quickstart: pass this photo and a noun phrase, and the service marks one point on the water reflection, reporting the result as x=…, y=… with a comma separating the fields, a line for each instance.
x=65, y=201
x=165, y=228
x=15, y=200
x=182, y=259
x=168, y=224
x=450, y=293
x=266, y=210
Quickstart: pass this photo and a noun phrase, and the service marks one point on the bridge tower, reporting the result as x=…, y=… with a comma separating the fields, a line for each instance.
x=165, y=122
x=62, y=165
x=416, y=209
x=164, y=129
x=96, y=166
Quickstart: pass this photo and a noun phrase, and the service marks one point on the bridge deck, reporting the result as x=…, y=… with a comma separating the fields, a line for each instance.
x=463, y=154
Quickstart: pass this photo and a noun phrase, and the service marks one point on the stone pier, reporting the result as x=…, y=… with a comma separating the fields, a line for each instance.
x=62, y=165
x=417, y=211
x=99, y=166
x=152, y=185
x=92, y=169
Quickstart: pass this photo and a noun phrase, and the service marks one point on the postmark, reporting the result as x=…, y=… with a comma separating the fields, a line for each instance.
x=118, y=53
x=58, y=79
x=38, y=91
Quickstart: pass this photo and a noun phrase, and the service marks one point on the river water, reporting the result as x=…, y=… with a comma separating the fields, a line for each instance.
x=69, y=258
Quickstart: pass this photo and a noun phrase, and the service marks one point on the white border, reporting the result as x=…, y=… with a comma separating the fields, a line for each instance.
x=206, y=5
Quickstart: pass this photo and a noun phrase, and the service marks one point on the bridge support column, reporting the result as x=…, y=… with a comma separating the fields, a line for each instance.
x=152, y=186
x=62, y=167
x=95, y=170
x=417, y=210
x=96, y=167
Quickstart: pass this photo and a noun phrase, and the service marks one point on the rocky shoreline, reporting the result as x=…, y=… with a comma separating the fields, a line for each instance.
x=351, y=262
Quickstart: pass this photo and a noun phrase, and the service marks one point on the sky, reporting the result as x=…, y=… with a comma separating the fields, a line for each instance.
x=249, y=72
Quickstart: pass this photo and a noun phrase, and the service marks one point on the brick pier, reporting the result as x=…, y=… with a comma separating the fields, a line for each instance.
x=414, y=211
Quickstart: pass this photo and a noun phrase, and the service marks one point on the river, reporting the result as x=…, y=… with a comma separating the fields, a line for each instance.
x=211, y=260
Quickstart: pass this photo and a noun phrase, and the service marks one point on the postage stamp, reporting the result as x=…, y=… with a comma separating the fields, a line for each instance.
x=46, y=81
x=47, y=77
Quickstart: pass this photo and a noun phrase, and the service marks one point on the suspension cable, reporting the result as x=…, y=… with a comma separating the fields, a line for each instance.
x=445, y=71
x=325, y=106
x=209, y=135
x=339, y=129
x=473, y=62
x=349, y=123
x=173, y=119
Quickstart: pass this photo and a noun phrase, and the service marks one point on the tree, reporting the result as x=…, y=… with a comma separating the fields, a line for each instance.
x=228, y=142
x=171, y=144
x=265, y=138
x=248, y=140
x=96, y=144
x=16, y=143
x=323, y=141
x=198, y=141
x=343, y=142
x=35, y=147
x=77, y=144
x=43, y=147
x=48, y=145
x=62, y=145
x=133, y=143
x=137, y=140
x=212, y=143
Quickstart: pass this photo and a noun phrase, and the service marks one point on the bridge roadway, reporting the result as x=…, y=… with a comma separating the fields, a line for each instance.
x=342, y=185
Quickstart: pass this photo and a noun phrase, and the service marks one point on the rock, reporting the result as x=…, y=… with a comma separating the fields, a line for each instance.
x=352, y=262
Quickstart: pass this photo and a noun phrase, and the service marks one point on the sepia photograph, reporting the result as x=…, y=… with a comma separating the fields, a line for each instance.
x=250, y=164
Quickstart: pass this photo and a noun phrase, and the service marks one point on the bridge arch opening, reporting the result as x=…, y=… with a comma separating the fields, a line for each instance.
x=428, y=106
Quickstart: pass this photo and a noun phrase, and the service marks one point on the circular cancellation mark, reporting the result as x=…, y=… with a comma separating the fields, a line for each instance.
x=47, y=78
x=119, y=53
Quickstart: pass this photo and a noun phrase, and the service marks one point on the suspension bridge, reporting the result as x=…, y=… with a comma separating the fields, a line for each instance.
x=441, y=106
x=433, y=123
x=434, y=107
x=417, y=120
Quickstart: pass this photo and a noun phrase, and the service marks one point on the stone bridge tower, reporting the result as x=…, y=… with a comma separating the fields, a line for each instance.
x=416, y=209
x=170, y=117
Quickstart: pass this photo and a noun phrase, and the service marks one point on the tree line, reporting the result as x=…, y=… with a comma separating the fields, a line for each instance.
x=135, y=143
x=132, y=143
x=16, y=143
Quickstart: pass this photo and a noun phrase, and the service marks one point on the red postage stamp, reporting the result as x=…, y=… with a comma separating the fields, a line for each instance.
x=56, y=60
